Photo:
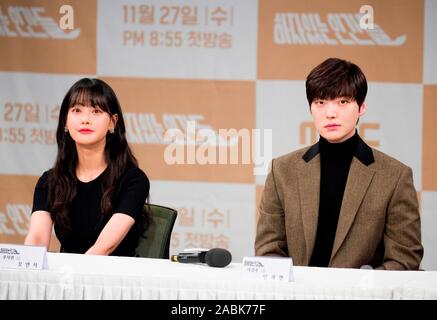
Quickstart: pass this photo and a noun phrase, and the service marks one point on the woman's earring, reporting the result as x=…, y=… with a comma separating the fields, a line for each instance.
x=111, y=130
x=65, y=129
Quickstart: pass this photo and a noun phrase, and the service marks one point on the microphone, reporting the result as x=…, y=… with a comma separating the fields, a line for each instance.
x=366, y=266
x=216, y=257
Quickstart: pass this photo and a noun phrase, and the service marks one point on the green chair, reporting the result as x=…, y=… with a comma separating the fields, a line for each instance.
x=155, y=242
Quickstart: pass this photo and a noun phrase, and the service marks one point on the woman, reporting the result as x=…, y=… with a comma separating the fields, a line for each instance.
x=95, y=193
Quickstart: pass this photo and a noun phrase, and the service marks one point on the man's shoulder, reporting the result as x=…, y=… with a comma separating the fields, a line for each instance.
x=385, y=161
x=291, y=157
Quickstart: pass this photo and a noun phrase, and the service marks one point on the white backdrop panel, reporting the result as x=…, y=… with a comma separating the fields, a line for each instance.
x=231, y=206
x=219, y=44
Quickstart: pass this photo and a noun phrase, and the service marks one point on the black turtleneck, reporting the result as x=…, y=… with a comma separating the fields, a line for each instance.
x=335, y=161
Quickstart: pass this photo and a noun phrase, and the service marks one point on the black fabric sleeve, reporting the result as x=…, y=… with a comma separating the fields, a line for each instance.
x=40, y=194
x=134, y=189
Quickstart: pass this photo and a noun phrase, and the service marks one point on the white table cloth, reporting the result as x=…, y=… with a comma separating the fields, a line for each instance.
x=72, y=276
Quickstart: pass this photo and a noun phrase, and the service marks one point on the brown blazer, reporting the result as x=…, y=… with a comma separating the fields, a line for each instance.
x=379, y=222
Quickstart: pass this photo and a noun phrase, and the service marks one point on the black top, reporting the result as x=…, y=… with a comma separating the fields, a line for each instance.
x=335, y=160
x=85, y=214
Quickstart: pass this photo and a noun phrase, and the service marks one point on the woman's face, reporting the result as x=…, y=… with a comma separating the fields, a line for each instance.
x=89, y=125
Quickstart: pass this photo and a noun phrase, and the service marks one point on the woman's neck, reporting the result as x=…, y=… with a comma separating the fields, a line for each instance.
x=91, y=163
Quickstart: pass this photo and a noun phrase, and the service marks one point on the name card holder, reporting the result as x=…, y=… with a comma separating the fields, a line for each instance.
x=268, y=268
x=16, y=256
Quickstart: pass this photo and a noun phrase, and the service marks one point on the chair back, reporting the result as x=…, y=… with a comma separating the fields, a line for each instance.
x=155, y=242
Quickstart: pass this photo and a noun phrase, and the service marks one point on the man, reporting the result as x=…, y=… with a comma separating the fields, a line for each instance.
x=340, y=203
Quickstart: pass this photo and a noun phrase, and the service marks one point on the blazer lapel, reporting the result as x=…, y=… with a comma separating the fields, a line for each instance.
x=358, y=181
x=309, y=192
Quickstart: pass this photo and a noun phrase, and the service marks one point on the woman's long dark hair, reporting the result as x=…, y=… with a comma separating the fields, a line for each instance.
x=62, y=179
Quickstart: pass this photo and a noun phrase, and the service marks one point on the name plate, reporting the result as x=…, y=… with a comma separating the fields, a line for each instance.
x=268, y=268
x=16, y=256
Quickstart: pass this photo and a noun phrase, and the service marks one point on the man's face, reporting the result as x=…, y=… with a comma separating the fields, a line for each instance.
x=335, y=120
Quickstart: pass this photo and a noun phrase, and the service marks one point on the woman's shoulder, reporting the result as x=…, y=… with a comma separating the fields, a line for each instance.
x=133, y=172
x=134, y=180
x=43, y=180
x=45, y=176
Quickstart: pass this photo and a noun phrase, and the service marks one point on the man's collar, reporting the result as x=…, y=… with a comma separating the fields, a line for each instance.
x=363, y=152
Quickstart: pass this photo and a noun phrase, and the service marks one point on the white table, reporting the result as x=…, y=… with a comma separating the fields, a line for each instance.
x=72, y=276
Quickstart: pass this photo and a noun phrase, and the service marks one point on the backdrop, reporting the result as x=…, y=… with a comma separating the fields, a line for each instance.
x=222, y=65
